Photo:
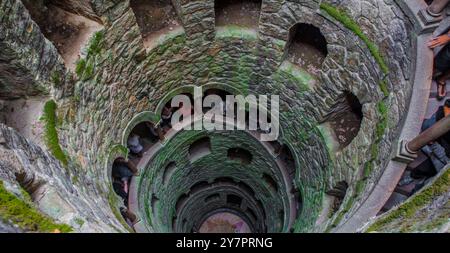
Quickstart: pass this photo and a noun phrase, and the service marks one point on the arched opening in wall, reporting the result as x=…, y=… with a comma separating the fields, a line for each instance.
x=246, y=188
x=216, y=92
x=277, y=147
x=270, y=182
x=180, y=202
x=174, y=223
x=224, y=222
x=260, y=204
x=242, y=155
x=344, y=118
x=288, y=160
x=186, y=110
x=306, y=47
x=234, y=200
x=29, y=183
x=298, y=200
x=199, y=149
x=121, y=173
x=198, y=186
x=280, y=219
x=155, y=19
x=67, y=30
x=143, y=136
x=337, y=195
x=212, y=197
x=154, y=203
x=242, y=13
x=224, y=180
x=168, y=172
x=252, y=214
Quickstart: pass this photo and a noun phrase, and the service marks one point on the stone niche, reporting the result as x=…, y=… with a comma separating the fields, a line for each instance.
x=344, y=119
x=306, y=47
x=68, y=29
x=155, y=18
x=242, y=13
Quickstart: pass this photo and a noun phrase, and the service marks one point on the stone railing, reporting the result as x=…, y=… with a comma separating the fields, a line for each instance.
x=435, y=12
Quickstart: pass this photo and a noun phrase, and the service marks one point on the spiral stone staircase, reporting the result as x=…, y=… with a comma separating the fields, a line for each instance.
x=77, y=78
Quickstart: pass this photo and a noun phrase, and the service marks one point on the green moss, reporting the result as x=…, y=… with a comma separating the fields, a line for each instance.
x=50, y=133
x=374, y=151
x=297, y=75
x=88, y=71
x=368, y=168
x=235, y=31
x=350, y=24
x=113, y=203
x=25, y=196
x=85, y=67
x=118, y=150
x=437, y=222
x=80, y=66
x=347, y=206
x=95, y=44
x=409, y=208
x=56, y=78
x=382, y=124
x=359, y=188
x=26, y=216
x=75, y=179
x=384, y=88
x=79, y=221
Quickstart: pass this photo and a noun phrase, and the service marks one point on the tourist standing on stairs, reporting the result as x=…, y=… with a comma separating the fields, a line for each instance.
x=441, y=63
x=135, y=146
x=435, y=151
x=122, y=171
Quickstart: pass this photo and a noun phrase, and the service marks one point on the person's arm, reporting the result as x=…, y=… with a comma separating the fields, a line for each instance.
x=125, y=186
x=439, y=41
x=132, y=167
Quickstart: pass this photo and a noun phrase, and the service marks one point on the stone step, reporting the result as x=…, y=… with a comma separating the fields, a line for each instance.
x=395, y=199
x=406, y=189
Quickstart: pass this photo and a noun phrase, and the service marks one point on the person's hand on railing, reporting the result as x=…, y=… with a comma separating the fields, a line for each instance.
x=439, y=41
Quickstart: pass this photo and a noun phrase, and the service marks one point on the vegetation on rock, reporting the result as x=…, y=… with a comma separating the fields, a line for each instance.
x=25, y=215
x=50, y=132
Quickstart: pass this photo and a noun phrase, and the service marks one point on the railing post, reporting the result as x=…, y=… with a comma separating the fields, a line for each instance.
x=407, y=151
x=434, y=13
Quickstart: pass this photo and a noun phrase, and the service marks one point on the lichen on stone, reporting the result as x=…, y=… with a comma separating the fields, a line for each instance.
x=25, y=216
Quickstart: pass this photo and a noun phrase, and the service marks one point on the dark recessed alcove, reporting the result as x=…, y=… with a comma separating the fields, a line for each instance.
x=243, y=13
x=345, y=118
x=199, y=149
x=168, y=171
x=155, y=18
x=270, y=182
x=68, y=31
x=234, y=200
x=306, y=47
x=242, y=155
x=338, y=194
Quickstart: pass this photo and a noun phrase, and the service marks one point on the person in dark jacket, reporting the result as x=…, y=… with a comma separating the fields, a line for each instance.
x=441, y=63
x=122, y=171
x=442, y=112
x=438, y=151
